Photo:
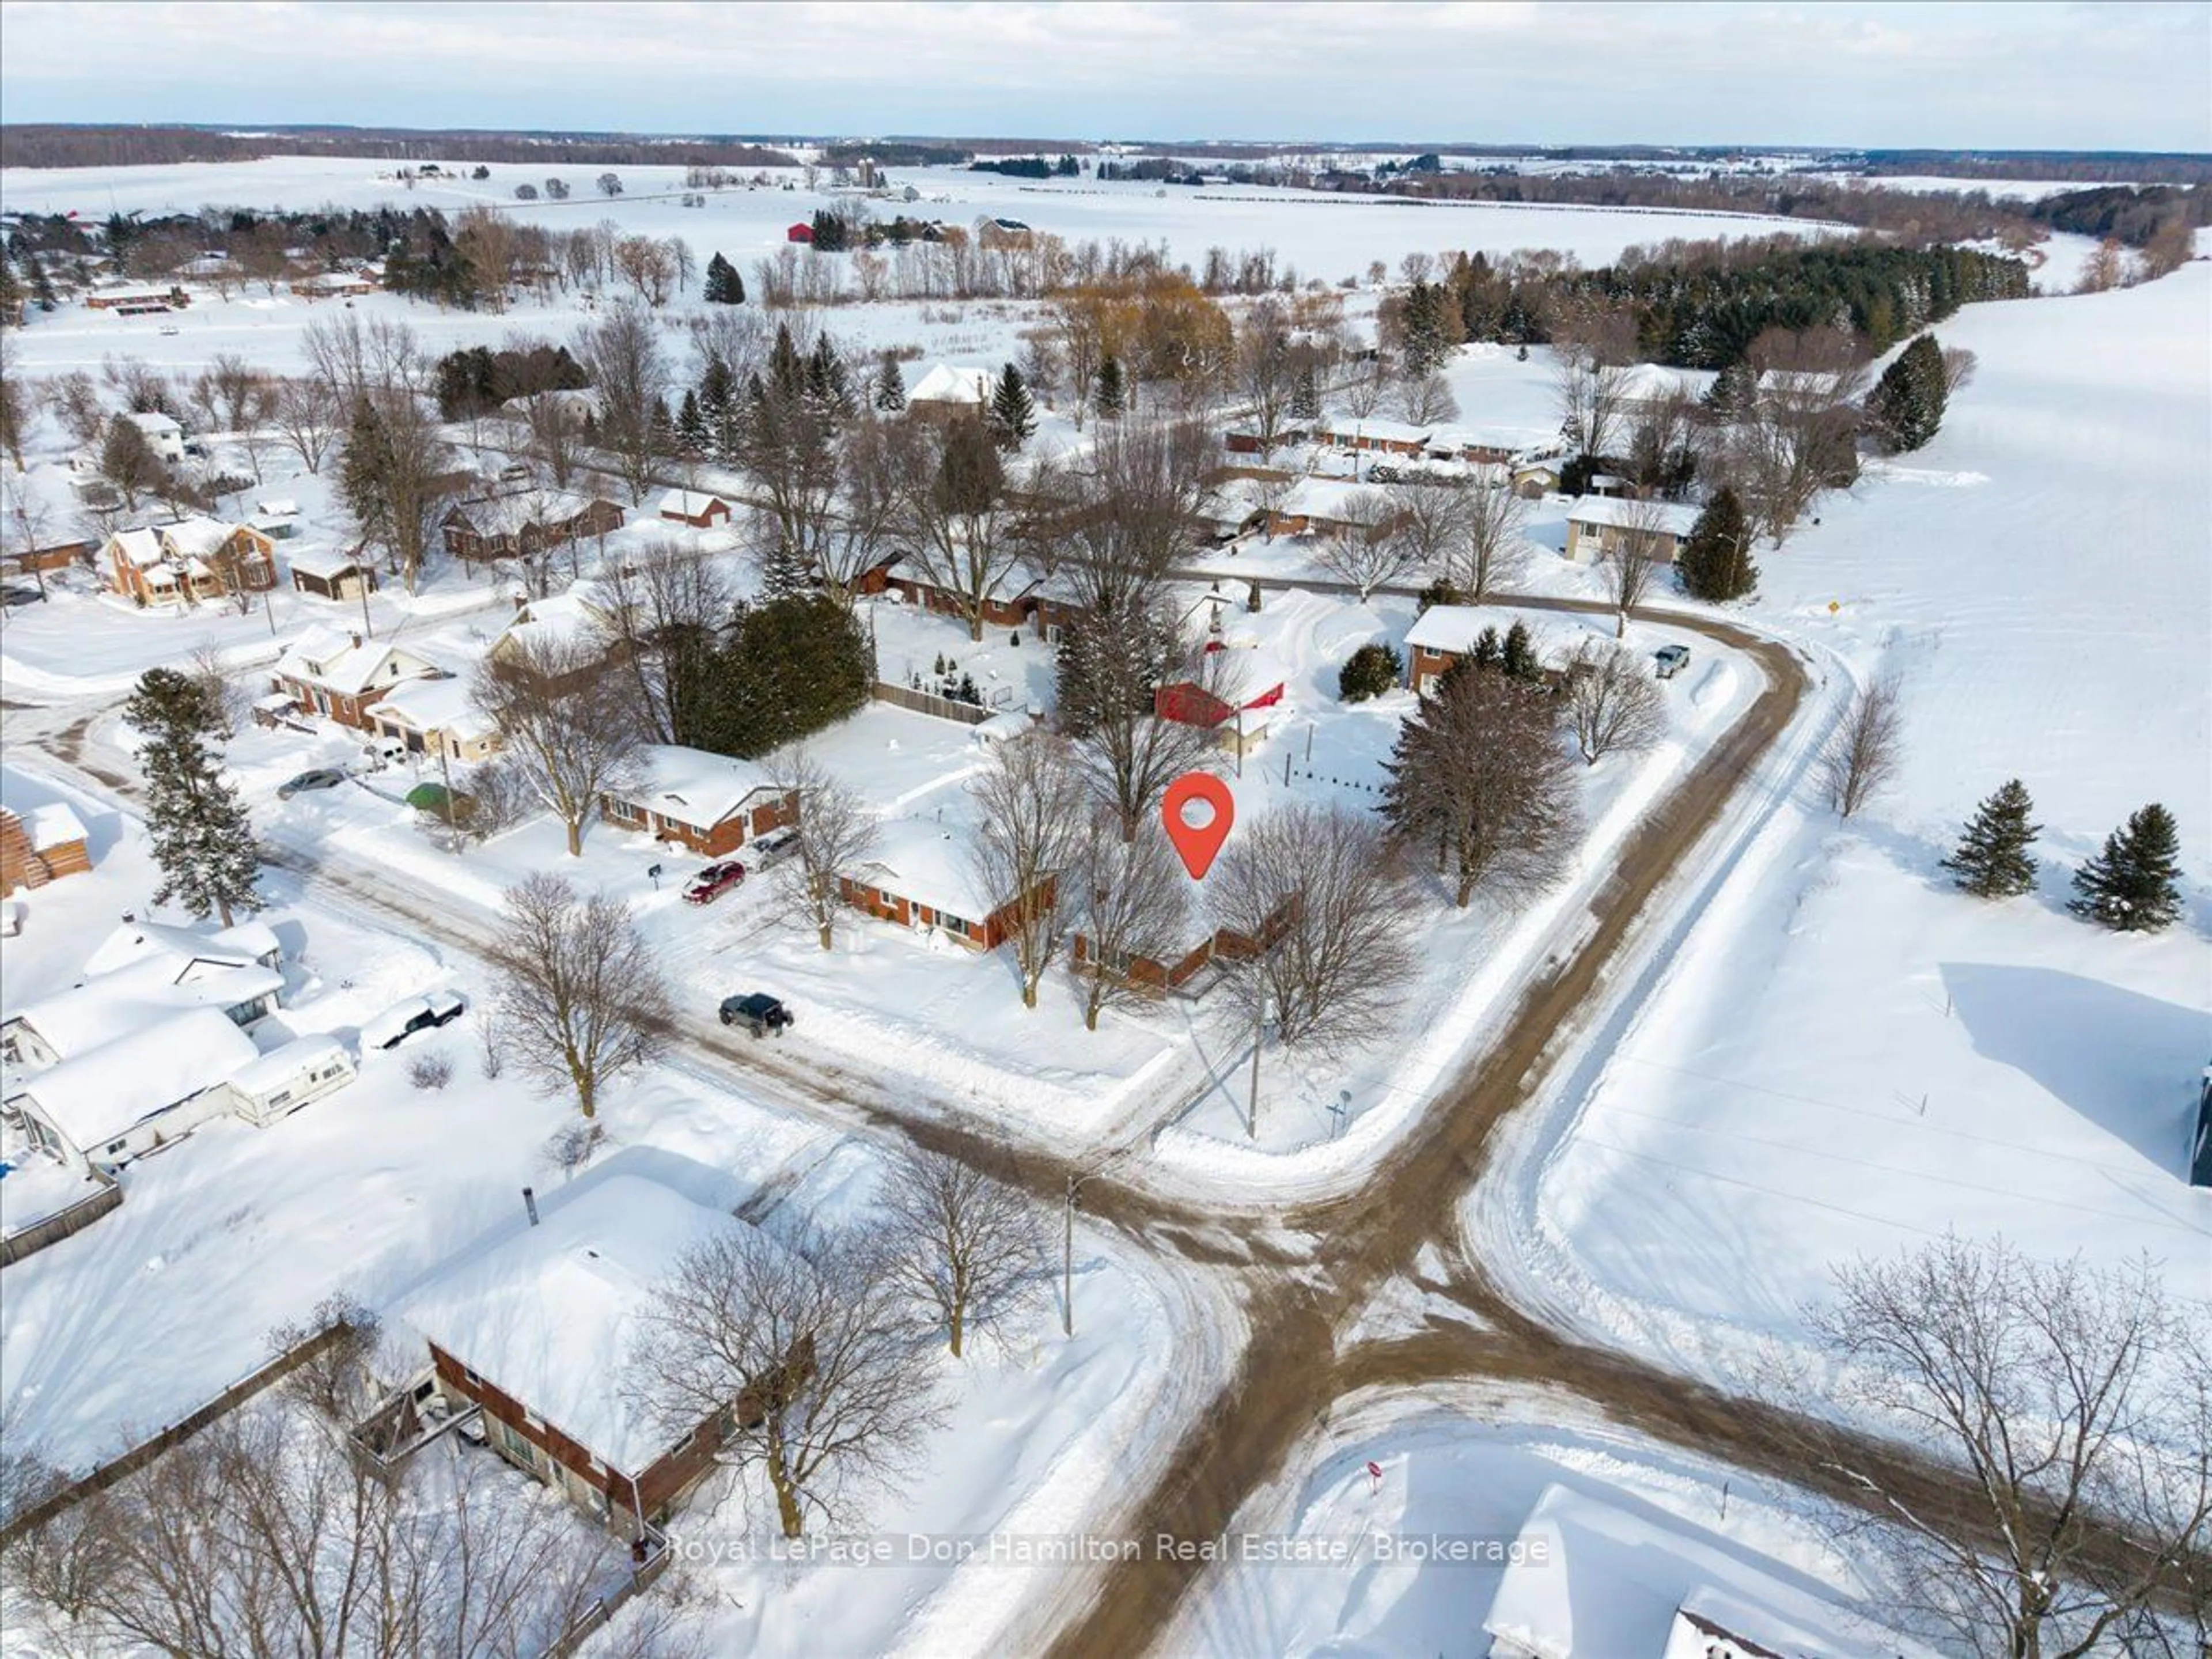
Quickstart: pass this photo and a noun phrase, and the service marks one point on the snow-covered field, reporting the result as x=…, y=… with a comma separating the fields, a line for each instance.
x=1844, y=1055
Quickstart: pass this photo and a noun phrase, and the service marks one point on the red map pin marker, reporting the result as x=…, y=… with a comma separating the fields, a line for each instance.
x=1197, y=844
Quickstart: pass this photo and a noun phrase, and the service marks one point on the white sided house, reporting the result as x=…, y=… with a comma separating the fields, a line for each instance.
x=163, y=434
x=156, y=1040
x=1598, y=524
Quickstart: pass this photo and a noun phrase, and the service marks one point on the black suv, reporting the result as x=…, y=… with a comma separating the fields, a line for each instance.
x=759, y=1012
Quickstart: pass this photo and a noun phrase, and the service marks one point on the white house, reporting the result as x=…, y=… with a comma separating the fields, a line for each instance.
x=151, y=1086
x=163, y=436
x=1598, y=524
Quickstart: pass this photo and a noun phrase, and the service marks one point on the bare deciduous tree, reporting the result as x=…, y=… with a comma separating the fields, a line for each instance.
x=262, y=1535
x=836, y=832
x=1426, y=400
x=621, y=354
x=1802, y=436
x=660, y=601
x=75, y=400
x=1592, y=344
x=1959, y=364
x=1368, y=547
x=581, y=992
x=1316, y=905
x=962, y=523
x=1630, y=556
x=966, y=1242
x=1131, y=904
x=307, y=417
x=804, y=1350
x=1863, y=756
x=2079, y=1400
x=570, y=724
x=394, y=478
x=1028, y=838
x=1487, y=542
x=1612, y=702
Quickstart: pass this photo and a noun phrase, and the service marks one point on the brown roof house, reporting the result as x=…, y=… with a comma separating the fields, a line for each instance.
x=525, y=525
x=535, y=1324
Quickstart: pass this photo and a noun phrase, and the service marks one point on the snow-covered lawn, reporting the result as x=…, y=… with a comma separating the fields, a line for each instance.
x=1845, y=1055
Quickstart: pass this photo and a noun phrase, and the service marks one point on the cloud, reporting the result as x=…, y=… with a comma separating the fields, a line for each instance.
x=2122, y=76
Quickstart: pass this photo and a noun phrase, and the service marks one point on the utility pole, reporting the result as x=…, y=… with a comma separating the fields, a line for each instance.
x=452, y=807
x=1259, y=1036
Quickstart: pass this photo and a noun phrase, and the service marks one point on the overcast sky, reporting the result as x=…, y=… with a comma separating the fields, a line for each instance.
x=2015, y=75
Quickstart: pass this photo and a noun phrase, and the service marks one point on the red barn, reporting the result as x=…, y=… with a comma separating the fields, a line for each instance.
x=800, y=233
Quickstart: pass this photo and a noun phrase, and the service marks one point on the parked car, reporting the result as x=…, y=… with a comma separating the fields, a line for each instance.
x=774, y=846
x=323, y=777
x=711, y=883
x=403, y=1019
x=1672, y=659
x=758, y=1012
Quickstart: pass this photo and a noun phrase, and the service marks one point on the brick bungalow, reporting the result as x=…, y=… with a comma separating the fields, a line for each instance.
x=906, y=577
x=921, y=877
x=339, y=675
x=1321, y=506
x=1153, y=975
x=711, y=804
x=535, y=1324
x=1376, y=436
x=522, y=526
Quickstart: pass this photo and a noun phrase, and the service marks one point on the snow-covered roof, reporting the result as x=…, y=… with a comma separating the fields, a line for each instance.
x=326, y=564
x=946, y=383
x=1587, y=1578
x=1453, y=627
x=278, y=509
x=1674, y=516
x=54, y=825
x=439, y=705
x=188, y=952
x=118, y=1006
x=562, y=619
x=928, y=862
x=1374, y=429
x=549, y=1314
x=95, y=1097
x=508, y=515
x=692, y=786
x=347, y=665
x=142, y=547
x=1514, y=440
x=689, y=503
x=1646, y=382
x=281, y=1064
x=1333, y=499
x=196, y=537
x=154, y=423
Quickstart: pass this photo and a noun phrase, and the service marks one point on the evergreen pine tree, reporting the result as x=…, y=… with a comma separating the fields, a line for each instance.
x=1714, y=563
x=724, y=286
x=890, y=386
x=1425, y=342
x=1487, y=653
x=693, y=434
x=202, y=843
x=787, y=369
x=1305, y=394
x=1110, y=397
x=827, y=383
x=2134, y=885
x=1519, y=657
x=1013, y=412
x=1907, y=404
x=1993, y=860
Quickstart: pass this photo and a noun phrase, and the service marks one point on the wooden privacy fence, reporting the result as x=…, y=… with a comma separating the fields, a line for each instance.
x=63, y=1223
x=121, y=1469
x=929, y=702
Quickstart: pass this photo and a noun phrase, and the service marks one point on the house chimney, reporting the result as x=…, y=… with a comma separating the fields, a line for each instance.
x=530, y=1203
x=356, y=638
